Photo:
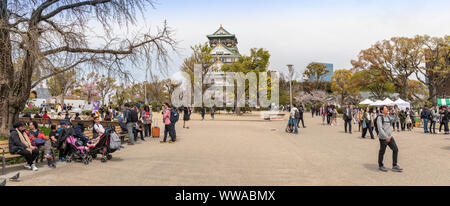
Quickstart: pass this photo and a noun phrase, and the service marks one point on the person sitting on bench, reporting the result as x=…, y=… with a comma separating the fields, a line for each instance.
x=19, y=143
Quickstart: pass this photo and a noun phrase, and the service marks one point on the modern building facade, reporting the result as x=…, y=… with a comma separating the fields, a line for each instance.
x=327, y=77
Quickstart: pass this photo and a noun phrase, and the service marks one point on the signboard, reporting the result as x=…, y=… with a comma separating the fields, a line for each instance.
x=443, y=102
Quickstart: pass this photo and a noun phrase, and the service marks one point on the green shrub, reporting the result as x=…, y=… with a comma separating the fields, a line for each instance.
x=340, y=110
x=31, y=110
x=87, y=112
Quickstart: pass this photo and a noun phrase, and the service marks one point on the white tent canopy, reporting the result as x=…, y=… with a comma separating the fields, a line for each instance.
x=377, y=103
x=367, y=101
x=402, y=104
x=388, y=102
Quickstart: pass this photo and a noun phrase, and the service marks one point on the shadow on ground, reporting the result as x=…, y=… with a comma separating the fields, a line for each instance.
x=446, y=148
x=371, y=167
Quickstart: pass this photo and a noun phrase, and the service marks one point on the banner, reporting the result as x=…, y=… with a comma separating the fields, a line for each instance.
x=443, y=102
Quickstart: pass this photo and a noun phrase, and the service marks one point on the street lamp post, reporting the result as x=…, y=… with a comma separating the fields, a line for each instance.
x=145, y=86
x=291, y=73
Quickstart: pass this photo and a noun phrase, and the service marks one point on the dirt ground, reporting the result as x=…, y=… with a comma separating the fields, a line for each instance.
x=249, y=151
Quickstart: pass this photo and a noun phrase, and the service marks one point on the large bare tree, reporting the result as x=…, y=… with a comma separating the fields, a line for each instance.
x=56, y=34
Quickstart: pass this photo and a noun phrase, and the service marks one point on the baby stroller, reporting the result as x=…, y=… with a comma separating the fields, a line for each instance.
x=76, y=151
x=290, y=126
x=106, y=145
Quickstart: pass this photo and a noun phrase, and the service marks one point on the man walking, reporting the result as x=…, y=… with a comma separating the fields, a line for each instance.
x=300, y=117
x=446, y=119
x=131, y=120
x=348, y=116
x=294, y=114
x=424, y=116
x=386, y=139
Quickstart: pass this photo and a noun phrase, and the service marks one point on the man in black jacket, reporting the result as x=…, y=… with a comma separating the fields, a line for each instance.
x=20, y=144
x=300, y=118
x=446, y=119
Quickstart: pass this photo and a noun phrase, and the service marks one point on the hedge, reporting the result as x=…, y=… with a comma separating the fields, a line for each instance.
x=31, y=110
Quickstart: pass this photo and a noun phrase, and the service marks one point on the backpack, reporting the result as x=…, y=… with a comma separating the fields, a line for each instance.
x=297, y=114
x=174, y=116
x=114, y=141
x=376, y=123
x=133, y=116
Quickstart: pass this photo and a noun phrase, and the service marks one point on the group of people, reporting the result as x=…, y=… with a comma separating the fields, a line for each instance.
x=434, y=116
x=295, y=116
x=30, y=142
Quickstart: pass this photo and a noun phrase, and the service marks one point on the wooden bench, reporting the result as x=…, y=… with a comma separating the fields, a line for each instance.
x=4, y=146
x=90, y=133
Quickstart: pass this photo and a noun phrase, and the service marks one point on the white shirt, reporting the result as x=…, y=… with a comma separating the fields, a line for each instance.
x=99, y=128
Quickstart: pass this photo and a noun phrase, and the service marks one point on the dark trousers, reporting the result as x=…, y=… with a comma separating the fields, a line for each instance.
x=403, y=125
x=298, y=122
x=168, y=130
x=446, y=126
x=30, y=157
x=432, y=127
x=136, y=132
x=394, y=148
x=147, y=130
x=328, y=119
x=174, y=132
x=364, y=132
x=396, y=123
x=348, y=122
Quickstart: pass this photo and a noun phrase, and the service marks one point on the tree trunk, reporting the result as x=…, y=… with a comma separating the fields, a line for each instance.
x=7, y=113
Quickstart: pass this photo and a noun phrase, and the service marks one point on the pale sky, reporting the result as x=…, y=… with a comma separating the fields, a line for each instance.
x=299, y=32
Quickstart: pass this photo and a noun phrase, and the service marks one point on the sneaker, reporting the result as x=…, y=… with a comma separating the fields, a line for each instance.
x=52, y=165
x=34, y=168
x=397, y=169
x=130, y=143
x=162, y=142
x=383, y=169
x=27, y=166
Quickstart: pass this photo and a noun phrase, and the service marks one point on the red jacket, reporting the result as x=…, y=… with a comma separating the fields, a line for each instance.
x=32, y=135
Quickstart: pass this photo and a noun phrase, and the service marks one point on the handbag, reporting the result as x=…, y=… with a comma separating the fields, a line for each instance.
x=364, y=125
x=38, y=142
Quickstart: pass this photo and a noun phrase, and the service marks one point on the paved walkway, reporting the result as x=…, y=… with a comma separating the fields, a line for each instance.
x=259, y=153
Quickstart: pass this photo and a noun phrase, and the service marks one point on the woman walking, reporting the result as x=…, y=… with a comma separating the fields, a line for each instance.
x=186, y=116
x=147, y=121
x=367, y=123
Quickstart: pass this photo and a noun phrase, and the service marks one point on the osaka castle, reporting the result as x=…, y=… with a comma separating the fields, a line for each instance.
x=224, y=47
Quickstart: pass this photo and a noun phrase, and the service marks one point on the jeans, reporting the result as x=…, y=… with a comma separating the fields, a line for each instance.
x=394, y=148
x=295, y=126
x=30, y=157
x=174, y=132
x=446, y=126
x=130, y=126
x=168, y=130
x=433, y=127
x=349, y=123
x=425, y=125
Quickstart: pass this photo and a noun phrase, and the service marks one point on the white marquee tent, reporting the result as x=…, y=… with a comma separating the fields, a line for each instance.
x=388, y=102
x=402, y=104
x=377, y=103
x=367, y=102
